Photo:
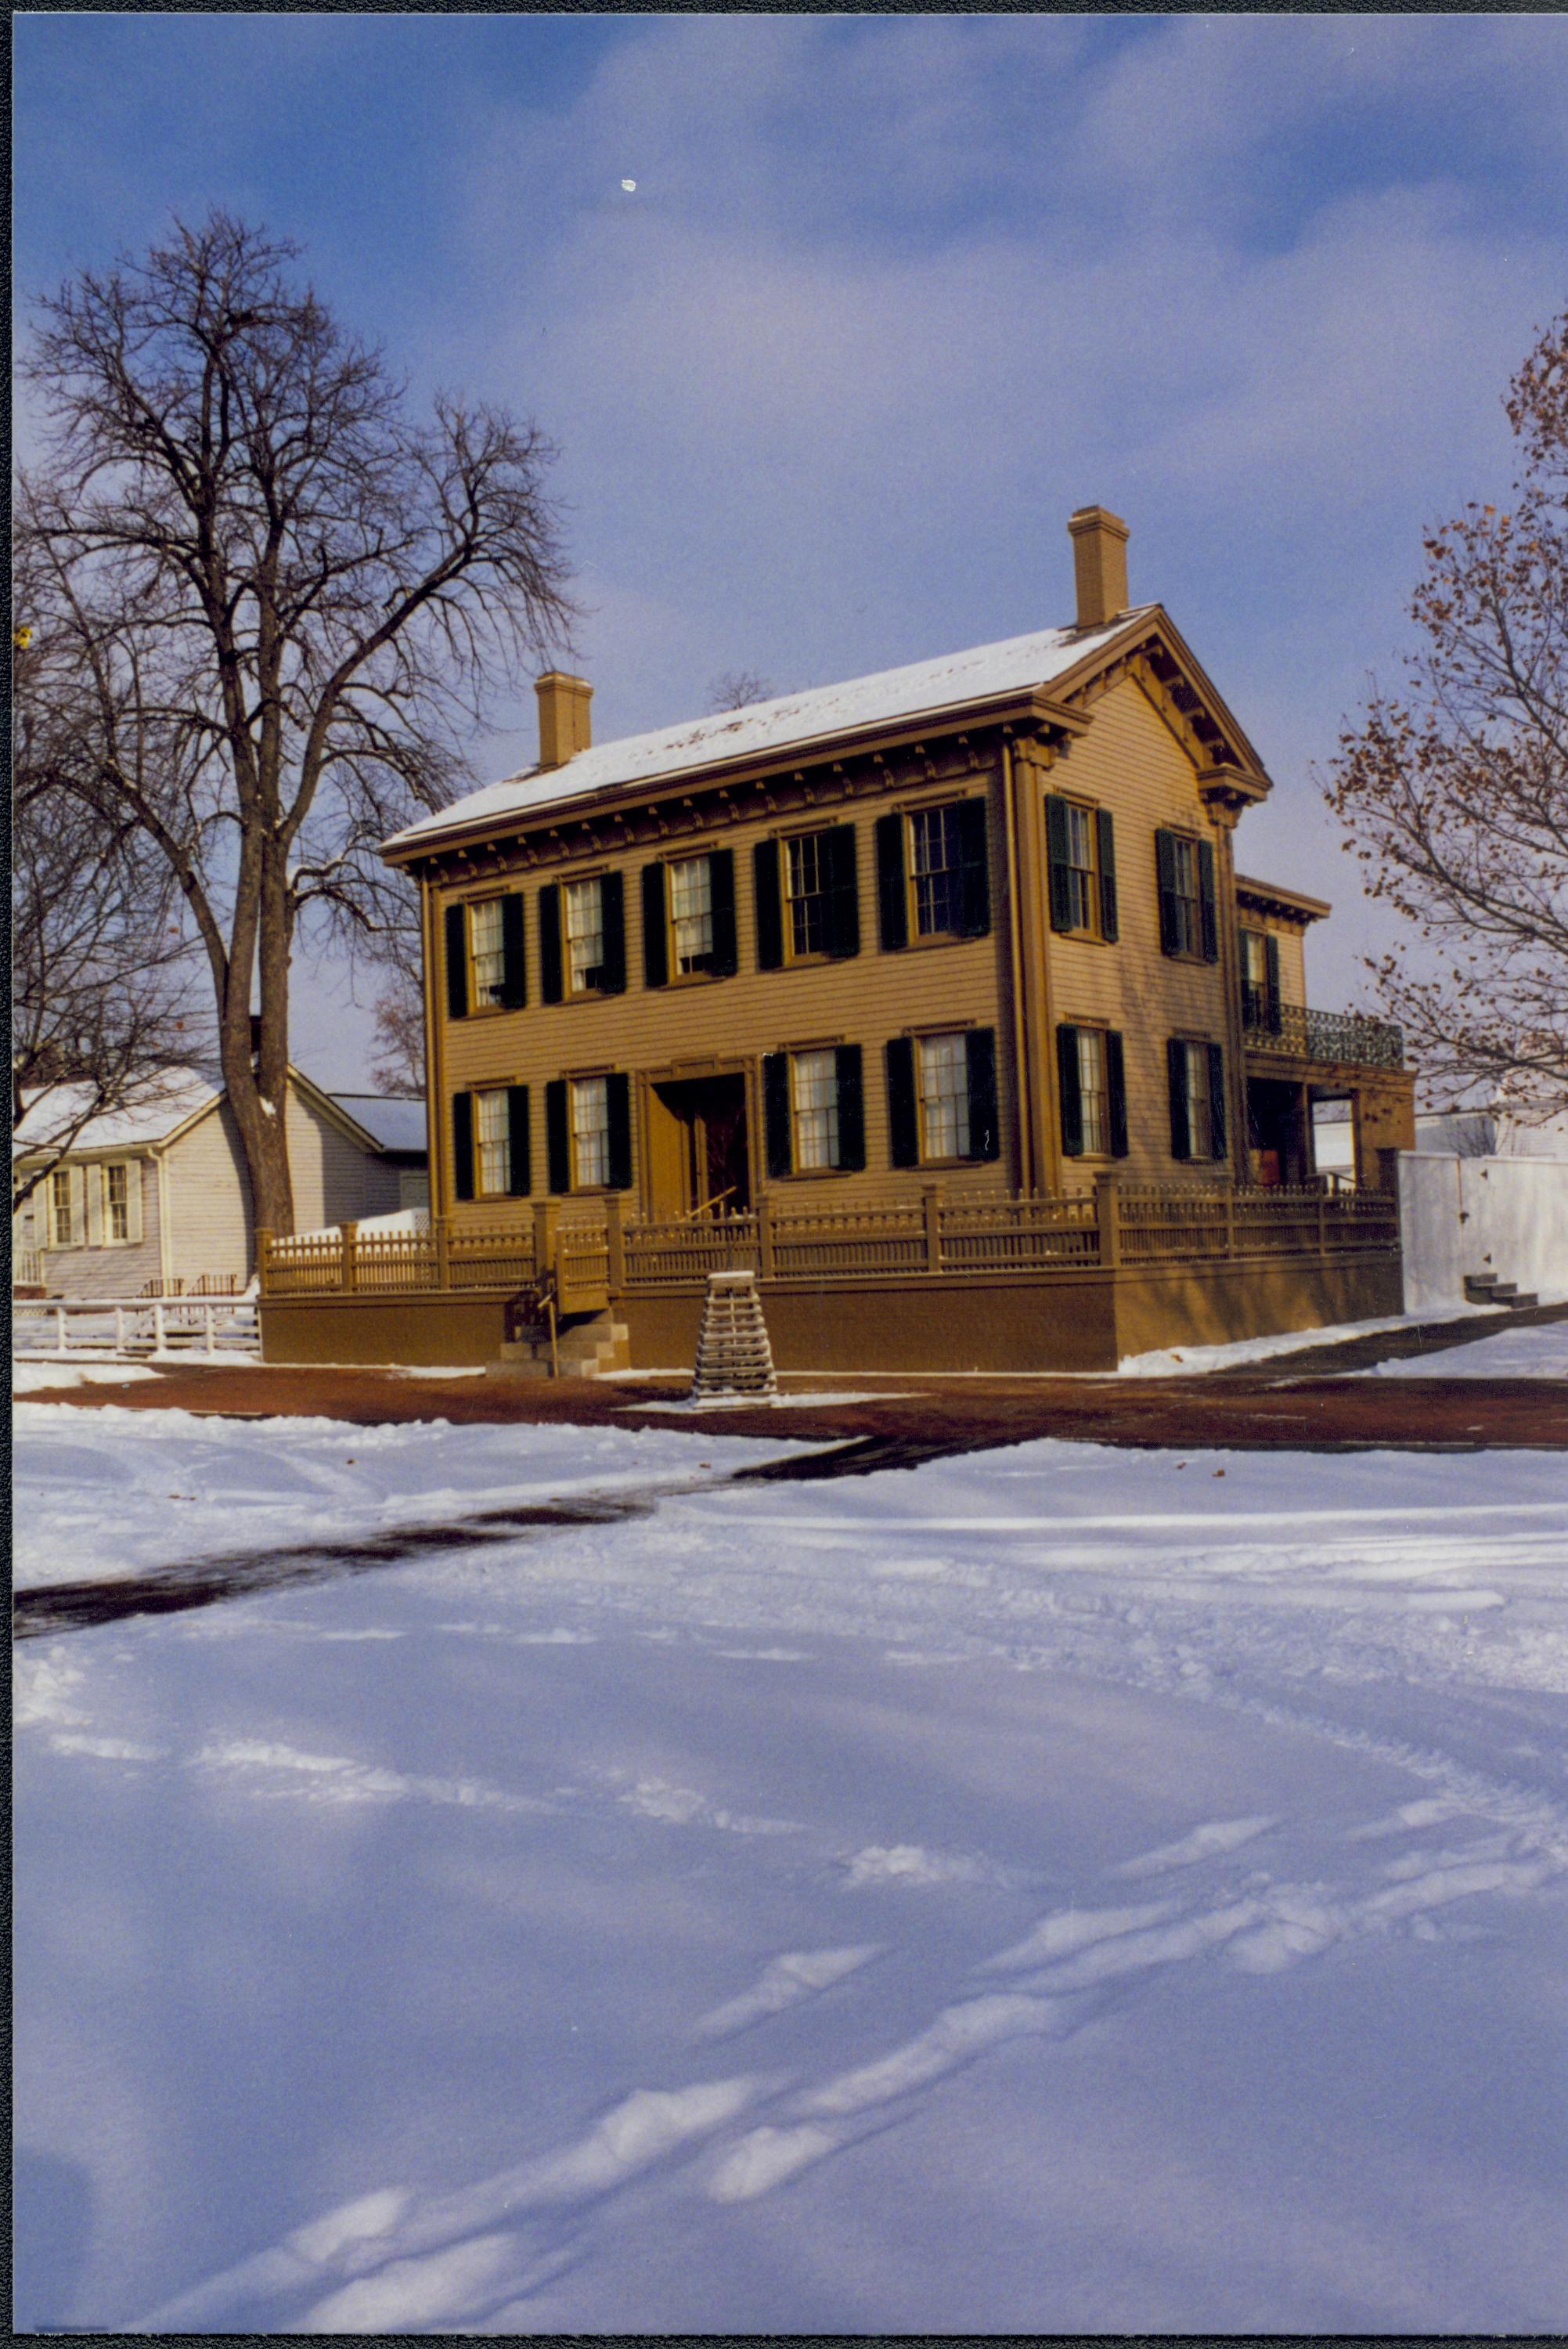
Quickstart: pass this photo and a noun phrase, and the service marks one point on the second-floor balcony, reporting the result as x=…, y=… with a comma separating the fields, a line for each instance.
x=1345, y=1038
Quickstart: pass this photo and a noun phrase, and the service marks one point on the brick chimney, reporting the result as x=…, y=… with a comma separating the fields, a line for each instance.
x=1100, y=564
x=563, y=727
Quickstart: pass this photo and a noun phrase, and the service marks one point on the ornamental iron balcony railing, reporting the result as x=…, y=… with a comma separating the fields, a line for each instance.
x=1342, y=1037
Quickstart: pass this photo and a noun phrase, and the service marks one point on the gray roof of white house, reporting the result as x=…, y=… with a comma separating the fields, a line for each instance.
x=791, y=722
x=393, y=1122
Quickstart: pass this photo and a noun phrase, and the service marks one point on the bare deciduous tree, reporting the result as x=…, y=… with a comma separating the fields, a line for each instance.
x=738, y=690
x=102, y=1011
x=1456, y=796
x=285, y=602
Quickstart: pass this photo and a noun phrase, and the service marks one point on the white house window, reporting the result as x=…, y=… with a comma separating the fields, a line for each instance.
x=116, y=1203
x=61, y=1228
x=807, y=892
x=585, y=935
x=1094, y=1093
x=590, y=1132
x=691, y=914
x=487, y=951
x=814, y=1107
x=944, y=1097
x=492, y=1143
x=935, y=869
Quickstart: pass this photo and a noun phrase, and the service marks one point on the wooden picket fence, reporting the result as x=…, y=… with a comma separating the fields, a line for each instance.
x=594, y=1257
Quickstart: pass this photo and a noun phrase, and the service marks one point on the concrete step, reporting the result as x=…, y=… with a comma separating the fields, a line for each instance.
x=1486, y=1289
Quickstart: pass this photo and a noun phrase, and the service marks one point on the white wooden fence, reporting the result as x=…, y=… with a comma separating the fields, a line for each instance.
x=126, y=1326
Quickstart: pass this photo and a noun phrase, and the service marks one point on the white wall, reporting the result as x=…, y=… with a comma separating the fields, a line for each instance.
x=1459, y=1216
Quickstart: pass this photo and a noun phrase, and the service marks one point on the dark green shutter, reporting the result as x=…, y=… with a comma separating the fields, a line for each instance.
x=777, y=1132
x=612, y=913
x=519, y=1142
x=655, y=940
x=975, y=873
x=844, y=892
x=550, y=947
x=463, y=1145
x=1056, y=861
x=1070, y=1085
x=770, y=905
x=893, y=892
x=851, y=1110
x=457, y=962
x=902, y=1118
x=985, y=1127
x=557, y=1141
x=1180, y=1123
x=618, y=1103
x=1104, y=844
x=1169, y=905
x=1208, y=913
x=514, y=966
x=1272, y=1019
x=1116, y=1089
x=721, y=896
x=1216, y=1100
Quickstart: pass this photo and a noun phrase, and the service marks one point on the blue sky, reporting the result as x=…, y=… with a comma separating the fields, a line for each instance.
x=891, y=297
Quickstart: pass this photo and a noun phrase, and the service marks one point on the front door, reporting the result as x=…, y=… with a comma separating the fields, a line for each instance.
x=699, y=1159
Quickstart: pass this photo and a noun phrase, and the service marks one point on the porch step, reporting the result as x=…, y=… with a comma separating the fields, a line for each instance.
x=585, y=1349
x=1486, y=1289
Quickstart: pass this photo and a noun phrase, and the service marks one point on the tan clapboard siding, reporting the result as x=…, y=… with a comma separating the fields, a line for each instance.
x=1130, y=761
x=863, y=1000
x=210, y=1216
x=120, y=1270
x=335, y=1180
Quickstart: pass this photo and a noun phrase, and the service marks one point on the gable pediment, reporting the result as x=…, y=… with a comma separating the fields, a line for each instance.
x=1157, y=659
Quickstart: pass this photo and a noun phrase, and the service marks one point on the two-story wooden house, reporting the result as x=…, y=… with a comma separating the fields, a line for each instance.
x=844, y=983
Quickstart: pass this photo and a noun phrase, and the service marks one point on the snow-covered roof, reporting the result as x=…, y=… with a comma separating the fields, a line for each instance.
x=391, y=1120
x=162, y=1108
x=793, y=722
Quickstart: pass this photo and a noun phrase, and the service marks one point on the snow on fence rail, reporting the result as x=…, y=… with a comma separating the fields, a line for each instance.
x=1129, y=1224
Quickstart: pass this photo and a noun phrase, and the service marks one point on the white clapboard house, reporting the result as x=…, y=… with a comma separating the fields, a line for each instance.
x=156, y=1199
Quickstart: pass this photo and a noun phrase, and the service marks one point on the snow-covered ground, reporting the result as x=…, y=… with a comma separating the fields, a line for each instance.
x=1059, y=1889
x=1540, y=1353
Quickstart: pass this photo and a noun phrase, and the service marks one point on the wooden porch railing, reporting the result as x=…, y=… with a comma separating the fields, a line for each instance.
x=1133, y=1225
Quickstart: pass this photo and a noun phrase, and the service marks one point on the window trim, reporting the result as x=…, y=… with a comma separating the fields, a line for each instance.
x=674, y=975
x=570, y=992
x=792, y=955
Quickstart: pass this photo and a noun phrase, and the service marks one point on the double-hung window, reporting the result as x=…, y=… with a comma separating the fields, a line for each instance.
x=116, y=1203
x=814, y=1110
x=1094, y=1092
x=590, y=1105
x=62, y=1222
x=1188, y=895
x=691, y=914
x=487, y=950
x=932, y=872
x=584, y=909
x=492, y=1143
x=1185, y=890
x=1197, y=1100
x=942, y=1067
x=1080, y=874
x=935, y=859
x=807, y=893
